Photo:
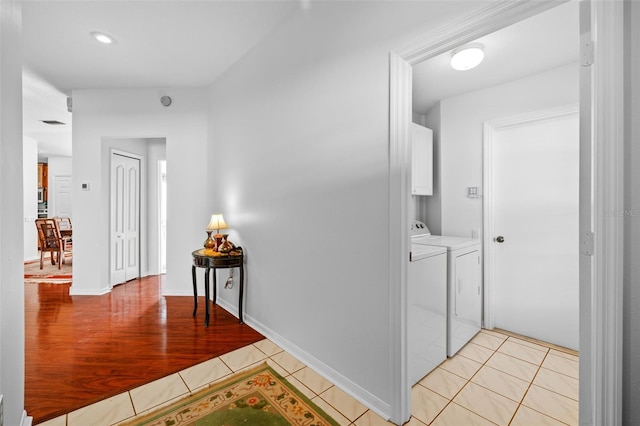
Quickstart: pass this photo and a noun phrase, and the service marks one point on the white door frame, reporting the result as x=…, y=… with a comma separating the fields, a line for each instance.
x=601, y=262
x=490, y=129
x=162, y=243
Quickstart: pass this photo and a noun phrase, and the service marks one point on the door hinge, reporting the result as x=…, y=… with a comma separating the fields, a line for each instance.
x=586, y=243
x=586, y=53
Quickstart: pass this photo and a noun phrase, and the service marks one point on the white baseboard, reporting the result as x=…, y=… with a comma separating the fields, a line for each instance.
x=228, y=306
x=75, y=292
x=26, y=420
x=375, y=404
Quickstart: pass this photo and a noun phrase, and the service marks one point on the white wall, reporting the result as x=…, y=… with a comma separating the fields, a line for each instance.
x=156, y=151
x=11, y=215
x=460, y=141
x=300, y=143
x=431, y=207
x=631, y=316
x=131, y=114
x=30, y=197
x=57, y=166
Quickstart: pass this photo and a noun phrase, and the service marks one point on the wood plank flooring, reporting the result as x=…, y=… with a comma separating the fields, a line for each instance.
x=82, y=349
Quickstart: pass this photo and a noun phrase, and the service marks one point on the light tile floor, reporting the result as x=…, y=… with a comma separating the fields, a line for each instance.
x=496, y=379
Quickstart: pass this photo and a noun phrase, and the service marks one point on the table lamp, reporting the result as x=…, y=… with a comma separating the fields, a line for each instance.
x=215, y=224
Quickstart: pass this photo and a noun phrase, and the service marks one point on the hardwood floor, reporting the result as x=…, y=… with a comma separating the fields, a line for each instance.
x=82, y=349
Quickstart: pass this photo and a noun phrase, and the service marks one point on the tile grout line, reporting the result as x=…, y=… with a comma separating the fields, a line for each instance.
x=528, y=387
x=547, y=351
x=312, y=391
x=468, y=381
x=450, y=401
x=474, y=374
x=532, y=384
x=550, y=346
x=560, y=373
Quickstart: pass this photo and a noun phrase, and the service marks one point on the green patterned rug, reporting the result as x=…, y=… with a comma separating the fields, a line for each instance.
x=258, y=397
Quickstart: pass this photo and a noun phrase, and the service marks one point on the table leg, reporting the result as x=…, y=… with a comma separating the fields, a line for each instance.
x=195, y=290
x=206, y=297
x=215, y=286
x=241, y=294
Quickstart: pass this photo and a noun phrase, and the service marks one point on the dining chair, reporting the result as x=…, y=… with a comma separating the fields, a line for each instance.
x=66, y=233
x=50, y=240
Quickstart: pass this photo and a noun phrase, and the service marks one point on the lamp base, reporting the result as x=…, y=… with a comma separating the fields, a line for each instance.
x=218, y=240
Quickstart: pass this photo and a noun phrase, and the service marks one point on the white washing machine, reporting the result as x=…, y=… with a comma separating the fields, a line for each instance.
x=426, y=310
x=464, y=277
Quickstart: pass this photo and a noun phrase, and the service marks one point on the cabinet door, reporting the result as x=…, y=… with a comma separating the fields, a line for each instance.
x=421, y=160
x=45, y=177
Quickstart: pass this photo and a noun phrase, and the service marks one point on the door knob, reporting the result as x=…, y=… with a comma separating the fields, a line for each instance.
x=500, y=239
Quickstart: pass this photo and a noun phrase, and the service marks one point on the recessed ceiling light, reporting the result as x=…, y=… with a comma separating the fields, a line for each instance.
x=467, y=57
x=102, y=37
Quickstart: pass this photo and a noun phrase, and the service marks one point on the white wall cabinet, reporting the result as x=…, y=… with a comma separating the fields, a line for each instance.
x=421, y=160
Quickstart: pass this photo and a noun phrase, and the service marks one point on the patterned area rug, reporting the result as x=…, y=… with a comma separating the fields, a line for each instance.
x=259, y=397
x=49, y=273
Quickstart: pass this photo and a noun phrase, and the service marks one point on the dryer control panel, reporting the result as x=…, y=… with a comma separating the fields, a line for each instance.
x=419, y=228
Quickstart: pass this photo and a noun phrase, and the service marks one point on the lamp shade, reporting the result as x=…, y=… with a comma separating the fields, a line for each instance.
x=216, y=223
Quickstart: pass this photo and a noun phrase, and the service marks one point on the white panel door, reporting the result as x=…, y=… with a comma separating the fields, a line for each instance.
x=63, y=196
x=125, y=219
x=534, y=192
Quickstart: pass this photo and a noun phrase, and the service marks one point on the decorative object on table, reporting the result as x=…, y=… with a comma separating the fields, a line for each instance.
x=215, y=224
x=256, y=397
x=226, y=246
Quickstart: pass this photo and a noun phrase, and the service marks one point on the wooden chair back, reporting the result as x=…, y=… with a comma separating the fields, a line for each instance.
x=66, y=231
x=50, y=240
x=64, y=223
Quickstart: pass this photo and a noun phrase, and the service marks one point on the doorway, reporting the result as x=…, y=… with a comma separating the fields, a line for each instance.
x=601, y=152
x=124, y=218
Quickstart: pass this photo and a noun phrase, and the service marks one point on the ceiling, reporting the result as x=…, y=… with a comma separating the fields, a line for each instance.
x=158, y=44
x=542, y=42
x=165, y=44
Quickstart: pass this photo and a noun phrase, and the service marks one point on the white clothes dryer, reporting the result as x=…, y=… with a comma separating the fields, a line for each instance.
x=464, y=278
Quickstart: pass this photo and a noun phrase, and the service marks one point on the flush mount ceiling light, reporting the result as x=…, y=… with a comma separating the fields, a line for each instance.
x=467, y=57
x=102, y=37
